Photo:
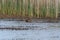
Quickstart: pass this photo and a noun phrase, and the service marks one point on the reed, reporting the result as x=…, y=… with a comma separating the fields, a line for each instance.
x=37, y=8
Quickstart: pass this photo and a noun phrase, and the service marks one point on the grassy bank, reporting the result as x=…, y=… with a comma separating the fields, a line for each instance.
x=29, y=8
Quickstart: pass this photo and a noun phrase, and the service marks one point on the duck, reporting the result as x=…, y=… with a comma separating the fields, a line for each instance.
x=28, y=20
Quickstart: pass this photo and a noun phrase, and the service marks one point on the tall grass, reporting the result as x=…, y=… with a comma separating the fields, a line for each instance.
x=37, y=8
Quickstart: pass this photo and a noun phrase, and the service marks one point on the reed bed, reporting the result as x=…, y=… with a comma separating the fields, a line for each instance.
x=30, y=8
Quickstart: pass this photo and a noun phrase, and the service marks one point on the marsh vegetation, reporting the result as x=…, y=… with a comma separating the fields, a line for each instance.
x=29, y=8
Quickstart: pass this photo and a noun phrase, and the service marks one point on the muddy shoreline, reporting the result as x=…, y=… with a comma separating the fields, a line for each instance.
x=34, y=20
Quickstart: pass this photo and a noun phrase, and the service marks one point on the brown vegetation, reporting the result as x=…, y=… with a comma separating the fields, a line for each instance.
x=30, y=8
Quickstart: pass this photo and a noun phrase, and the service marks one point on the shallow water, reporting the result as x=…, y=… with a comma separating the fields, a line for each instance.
x=4, y=23
x=50, y=34
x=47, y=31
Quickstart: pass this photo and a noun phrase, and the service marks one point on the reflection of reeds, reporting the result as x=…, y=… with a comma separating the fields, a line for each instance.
x=31, y=8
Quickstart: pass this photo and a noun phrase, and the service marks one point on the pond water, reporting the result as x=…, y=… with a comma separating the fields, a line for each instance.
x=42, y=31
x=50, y=34
x=5, y=23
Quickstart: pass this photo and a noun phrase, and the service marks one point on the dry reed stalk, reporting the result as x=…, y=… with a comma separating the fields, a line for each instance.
x=26, y=8
x=56, y=1
x=31, y=5
x=37, y=8
x=47, y=14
